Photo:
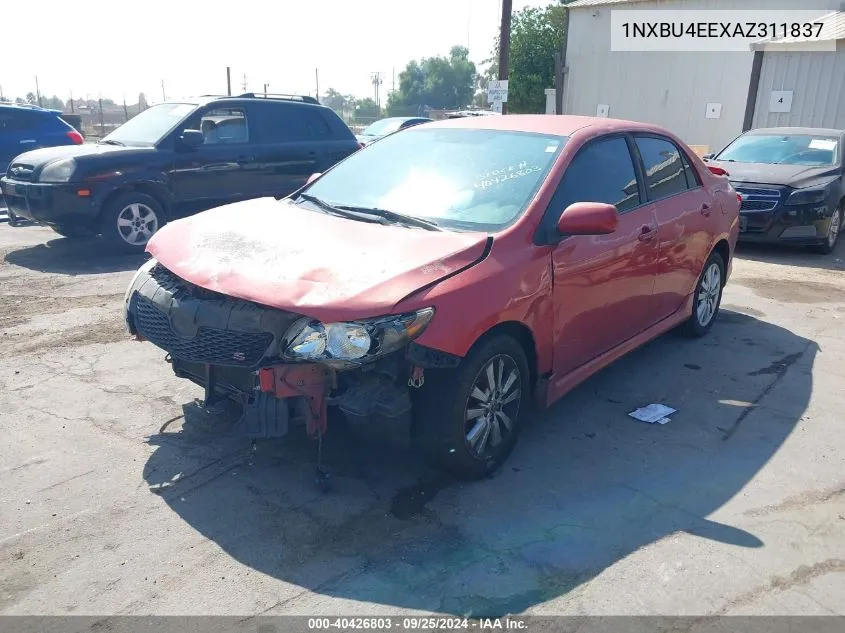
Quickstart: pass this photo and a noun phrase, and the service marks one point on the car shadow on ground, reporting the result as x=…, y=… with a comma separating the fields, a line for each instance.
x=586, y=486
x=793, y=256
x=75, y=256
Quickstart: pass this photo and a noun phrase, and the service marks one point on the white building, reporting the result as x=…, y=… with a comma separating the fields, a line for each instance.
x=707, y=98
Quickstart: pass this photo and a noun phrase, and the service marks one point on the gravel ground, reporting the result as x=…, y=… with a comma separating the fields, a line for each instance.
x=118, y=496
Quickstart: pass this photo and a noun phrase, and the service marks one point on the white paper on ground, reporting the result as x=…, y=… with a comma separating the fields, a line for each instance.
x=653, y=414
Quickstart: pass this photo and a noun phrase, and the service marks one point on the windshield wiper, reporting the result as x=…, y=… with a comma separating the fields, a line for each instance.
x=333, y=210
x=392, y=216
x=109, y=141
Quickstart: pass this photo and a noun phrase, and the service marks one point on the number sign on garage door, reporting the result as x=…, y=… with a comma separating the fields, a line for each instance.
x=781, y=101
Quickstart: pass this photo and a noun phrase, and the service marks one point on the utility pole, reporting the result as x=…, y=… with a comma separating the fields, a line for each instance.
x=265, y=90
x=375, y=77
x=1, y=93
x=102, y=123
x=317, y=78
x=392, y=90
x=125, y=109
x=228, y=81
x=244, y=84
x=71, y=101
x=163, y=95
x=505, y=43
x=37, y=91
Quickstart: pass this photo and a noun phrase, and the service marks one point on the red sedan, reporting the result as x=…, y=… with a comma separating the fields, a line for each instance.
x=444, y=278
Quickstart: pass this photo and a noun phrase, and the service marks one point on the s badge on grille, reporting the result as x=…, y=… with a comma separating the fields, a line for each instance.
x=239, y=356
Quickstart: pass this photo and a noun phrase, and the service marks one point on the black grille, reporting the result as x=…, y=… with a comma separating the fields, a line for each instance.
x=180, y=288
x=757, y=205
x=210, y=345
x=748, y=191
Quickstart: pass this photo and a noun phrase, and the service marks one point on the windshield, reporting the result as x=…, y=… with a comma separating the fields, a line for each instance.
x=479, y=180
x=148, y=127
x=791, y=149
x=382, y=128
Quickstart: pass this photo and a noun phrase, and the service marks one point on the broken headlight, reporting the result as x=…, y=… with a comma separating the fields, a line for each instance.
x=361, y=341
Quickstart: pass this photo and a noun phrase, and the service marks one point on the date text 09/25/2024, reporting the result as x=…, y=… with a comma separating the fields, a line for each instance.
x=416, y=624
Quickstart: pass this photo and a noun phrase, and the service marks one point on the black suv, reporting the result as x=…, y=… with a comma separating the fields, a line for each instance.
x=175, y=159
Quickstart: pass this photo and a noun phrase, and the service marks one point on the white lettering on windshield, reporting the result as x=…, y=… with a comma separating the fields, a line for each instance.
x=499, y=176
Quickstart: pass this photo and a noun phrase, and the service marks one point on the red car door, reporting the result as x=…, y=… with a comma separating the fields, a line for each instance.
x=602, y=284
x=683, y=207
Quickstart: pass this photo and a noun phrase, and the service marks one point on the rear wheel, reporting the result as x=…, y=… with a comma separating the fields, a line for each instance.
x=468, y=419
x=131, y=219
x=833, y=232
x=707, y=297
x=72, y=230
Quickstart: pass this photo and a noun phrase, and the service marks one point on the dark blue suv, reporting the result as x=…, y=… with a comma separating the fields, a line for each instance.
x=24, y=128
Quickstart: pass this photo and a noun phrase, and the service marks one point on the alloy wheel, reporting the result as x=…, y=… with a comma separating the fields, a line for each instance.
x=708, y=294
x=136, y=223
x=492, y=406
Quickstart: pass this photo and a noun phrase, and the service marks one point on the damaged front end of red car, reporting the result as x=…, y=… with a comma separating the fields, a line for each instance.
x=283, y=368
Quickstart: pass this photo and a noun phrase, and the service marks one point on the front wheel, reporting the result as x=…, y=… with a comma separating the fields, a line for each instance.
x=707, y=297
x=833, y=231
x=131, y=219
x=468, y=419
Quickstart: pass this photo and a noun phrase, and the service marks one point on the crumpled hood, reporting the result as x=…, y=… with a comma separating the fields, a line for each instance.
x=790, y=175
x=330, y=268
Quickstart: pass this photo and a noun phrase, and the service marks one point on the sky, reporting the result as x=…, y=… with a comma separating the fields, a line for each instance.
x=103, y=48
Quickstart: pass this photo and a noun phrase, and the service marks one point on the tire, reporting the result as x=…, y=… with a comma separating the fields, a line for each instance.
x=72, y=230
x=468, y=449
x=834, y=231
x=140, y=217
x=702, y=319
x=13, y=219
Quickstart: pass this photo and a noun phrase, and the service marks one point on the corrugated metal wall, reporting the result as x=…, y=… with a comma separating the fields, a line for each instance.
x=668, y=89
x=817, y=82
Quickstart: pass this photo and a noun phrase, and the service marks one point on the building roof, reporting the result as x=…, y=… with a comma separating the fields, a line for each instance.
x=597, y=3
x=833, y=29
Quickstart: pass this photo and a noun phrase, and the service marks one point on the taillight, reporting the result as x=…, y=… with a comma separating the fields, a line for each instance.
x=739, y=198
x=76, y=137
x=718, y=170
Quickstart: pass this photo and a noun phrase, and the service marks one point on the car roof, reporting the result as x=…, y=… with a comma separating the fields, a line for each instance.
x=28, y=108
x=789, y=131
x=554, y=125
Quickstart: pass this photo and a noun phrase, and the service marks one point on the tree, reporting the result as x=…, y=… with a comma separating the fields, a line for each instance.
x=366, y=110
x=53, y=102
x=334, y=100
x=437, y=82
x=31, y=98
x=19, y=101
x=536, y=36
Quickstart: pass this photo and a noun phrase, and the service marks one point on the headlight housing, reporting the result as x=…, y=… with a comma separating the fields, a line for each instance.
x=58, y=171
x=353, y=342
x=810, y=195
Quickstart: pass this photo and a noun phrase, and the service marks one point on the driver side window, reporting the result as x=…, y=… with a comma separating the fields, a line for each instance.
x=221, y=126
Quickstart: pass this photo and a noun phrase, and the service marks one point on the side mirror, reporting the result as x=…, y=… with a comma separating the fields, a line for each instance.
x=588, y=218
x=191, y=139
x=313, y=177
x=707, y=157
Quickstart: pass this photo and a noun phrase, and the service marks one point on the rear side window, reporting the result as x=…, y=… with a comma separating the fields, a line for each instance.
x=601, y=172
x=665, y=173
x=693, y=180
x=292, y=123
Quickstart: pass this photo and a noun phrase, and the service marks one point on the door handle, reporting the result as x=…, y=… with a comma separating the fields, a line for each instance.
x=646, y=234
x=705, y=209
